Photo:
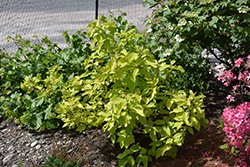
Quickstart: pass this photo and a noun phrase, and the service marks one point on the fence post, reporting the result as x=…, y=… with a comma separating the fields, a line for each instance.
x=96, y=9
x=1, y=53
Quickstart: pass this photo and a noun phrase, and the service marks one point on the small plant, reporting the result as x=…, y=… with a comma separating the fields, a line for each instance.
x=236, y=120
x=20, y=164
x=60, y=158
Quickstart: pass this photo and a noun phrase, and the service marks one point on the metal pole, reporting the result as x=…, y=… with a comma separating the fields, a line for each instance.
x=1, y=53
x=96, y=9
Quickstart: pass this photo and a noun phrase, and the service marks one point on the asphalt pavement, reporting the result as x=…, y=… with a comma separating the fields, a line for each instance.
x=52, y=17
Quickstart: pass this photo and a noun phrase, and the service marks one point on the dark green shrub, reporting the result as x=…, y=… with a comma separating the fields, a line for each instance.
x=202, y=24
x=181, y=30
x=31, y=60
x=165, y=38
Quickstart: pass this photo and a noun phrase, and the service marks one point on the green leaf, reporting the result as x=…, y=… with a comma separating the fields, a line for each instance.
x=170, y=141
x=135, y=148
x=152, y=135
x=195, y=123
x=204, y=122
x=167, y=130
x=131, y=160
x=116, y=99
x=135, y=72
x=177, y=125
x=124, y=154
x=113, y=138
x=143, y=150
x=159, y=122
x=119, y=74
x=48, y=113
x=180, y=68
x=39, y=118
x=5, y=61
x=173, y=151
x=81, y=128
x=177, y=110
x=224, y=146
x=190, y=130
x=138, y=109
x=232, y=151
x=161, y=150
x=132, y=56
x=214, y=21
x=152, y=62
x=123, y=161
x=143, y=120
x=39, y=102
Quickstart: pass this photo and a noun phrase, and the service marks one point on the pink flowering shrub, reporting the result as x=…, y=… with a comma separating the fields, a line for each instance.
x=237, y=124
x=237, y=120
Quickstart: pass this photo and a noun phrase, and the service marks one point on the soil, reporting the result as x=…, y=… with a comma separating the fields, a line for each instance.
x=199, y=150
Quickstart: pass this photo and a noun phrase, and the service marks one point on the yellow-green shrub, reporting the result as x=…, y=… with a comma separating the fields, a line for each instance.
x=123, y=89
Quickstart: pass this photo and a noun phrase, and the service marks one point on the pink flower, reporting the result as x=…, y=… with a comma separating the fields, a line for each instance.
x=236, y=87
x=243, y=164
x=247, y=149
x=196, y=148
x=238, y=62
x=212, y=143
x=216, y=163
x=229, y=75
x=210, y=124
x=208, y=130
x=222, y=79
x=205, y=154
x=187, y=148
x=230, y=97
x=241, y=77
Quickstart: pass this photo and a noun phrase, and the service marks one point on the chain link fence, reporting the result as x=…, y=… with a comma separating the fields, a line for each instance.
x=52, y=17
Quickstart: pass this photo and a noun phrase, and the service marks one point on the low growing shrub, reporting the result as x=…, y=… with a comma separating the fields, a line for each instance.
x=31, y=60
x=123, y=89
